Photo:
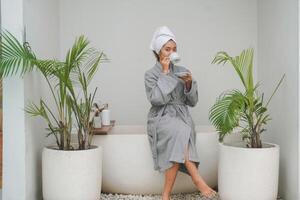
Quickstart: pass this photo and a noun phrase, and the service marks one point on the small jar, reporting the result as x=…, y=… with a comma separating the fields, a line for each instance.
x=97, y=122
x=105, y=115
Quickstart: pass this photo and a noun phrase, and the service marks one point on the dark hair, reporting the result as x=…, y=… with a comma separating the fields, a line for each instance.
x=156, y=55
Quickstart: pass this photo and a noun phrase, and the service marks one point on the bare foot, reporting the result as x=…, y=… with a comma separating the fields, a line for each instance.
x=165, y=196
x=207, y=191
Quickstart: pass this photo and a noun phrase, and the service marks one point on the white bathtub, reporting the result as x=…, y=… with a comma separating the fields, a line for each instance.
x=128, y=165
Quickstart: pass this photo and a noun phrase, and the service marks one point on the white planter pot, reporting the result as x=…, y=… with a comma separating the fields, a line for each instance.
x=72, y=175
x=248, y=173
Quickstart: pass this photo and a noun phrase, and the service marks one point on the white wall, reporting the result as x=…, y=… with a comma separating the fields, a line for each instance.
x=13, y=120
x=123, y=29
x=278, y=54
x=41, y=20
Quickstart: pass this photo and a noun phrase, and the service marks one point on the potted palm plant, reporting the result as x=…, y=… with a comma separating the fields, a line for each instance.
x=70, y=170
x=248, y=169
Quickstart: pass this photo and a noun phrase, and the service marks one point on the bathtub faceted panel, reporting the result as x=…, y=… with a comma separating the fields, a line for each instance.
x=128, y=164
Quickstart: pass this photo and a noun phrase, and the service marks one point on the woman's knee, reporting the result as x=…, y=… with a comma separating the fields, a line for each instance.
x=190, y=165
x=173, y=168
x=176, y=164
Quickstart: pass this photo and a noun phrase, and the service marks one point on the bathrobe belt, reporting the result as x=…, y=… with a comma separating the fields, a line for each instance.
x=159, y=117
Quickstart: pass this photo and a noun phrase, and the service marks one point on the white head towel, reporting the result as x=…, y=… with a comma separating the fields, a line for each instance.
x=161, y=36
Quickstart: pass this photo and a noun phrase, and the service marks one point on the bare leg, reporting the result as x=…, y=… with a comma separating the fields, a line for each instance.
x=170, y=176
x=197, y=179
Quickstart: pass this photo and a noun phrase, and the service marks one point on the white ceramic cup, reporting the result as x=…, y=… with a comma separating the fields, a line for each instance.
x=174, y=57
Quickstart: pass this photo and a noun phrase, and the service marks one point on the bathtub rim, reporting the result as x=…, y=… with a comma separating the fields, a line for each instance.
x=138, y=129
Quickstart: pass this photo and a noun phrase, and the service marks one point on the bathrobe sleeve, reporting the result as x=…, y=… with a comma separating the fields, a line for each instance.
x=192, y=94
x=158, y=88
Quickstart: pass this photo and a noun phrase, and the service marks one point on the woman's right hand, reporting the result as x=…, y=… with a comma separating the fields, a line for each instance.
x=165, y=62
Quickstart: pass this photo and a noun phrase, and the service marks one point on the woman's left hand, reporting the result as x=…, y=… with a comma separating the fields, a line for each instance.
x=188, y=80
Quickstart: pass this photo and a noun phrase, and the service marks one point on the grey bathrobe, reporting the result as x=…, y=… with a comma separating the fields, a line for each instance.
x=169, y=124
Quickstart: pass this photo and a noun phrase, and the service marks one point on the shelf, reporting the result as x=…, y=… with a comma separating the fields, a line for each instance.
x=104, y=129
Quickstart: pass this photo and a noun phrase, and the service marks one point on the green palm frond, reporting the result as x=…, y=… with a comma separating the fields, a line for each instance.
x=259, y=109
x=246, y=110
x=77, y=51
x=91, y=67
x=84, y=60
x=15, y=57
x=223, y=57
x=36, y=110
x=78, y=69
x=53, y=131
x=49, y=68
x=243, y=65
x=226, y=112
x=255, y=89
x=266, y=119
x=248, y=65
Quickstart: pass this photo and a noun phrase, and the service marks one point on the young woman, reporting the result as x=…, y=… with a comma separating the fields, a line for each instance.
x=170, y=128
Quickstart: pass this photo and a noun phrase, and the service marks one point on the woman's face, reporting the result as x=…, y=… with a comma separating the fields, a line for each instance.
x=167, y=49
